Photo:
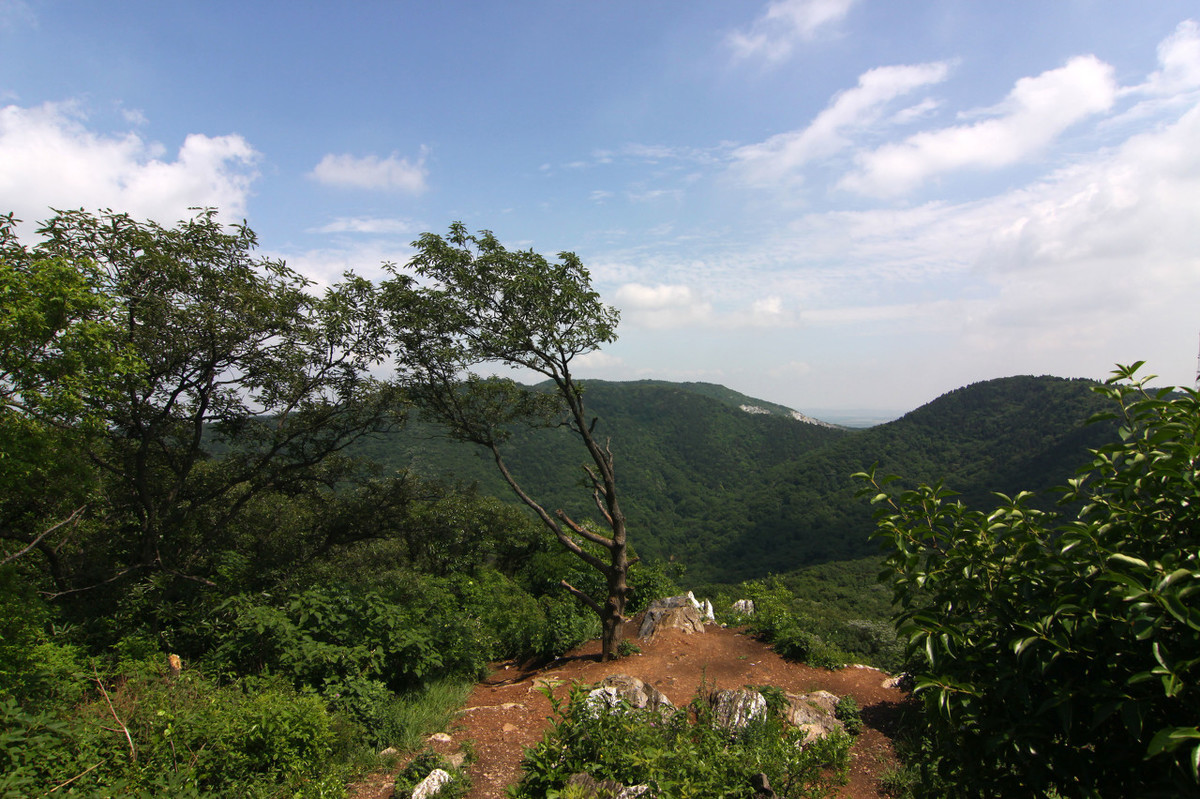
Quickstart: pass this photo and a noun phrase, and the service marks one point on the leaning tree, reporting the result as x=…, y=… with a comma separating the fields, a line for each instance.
x=475, y=306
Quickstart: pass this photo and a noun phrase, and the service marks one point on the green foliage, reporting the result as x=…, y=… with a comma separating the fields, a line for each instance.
x=791, y=633
x=734, y=496
x=848, y=712
x=682, y=754
x=1062, y=653
x=146, y=735
x=212, y=376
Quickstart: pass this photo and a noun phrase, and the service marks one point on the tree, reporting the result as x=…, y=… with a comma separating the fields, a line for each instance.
x=60, y=360
x=1062, y=652
x=482, y=305
x=247, y=384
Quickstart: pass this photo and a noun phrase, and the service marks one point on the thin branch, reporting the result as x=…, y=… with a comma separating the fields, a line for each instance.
x=69, y=520
x=77, y=776
x=113, y=710
x=581, y=596
x=580, y=530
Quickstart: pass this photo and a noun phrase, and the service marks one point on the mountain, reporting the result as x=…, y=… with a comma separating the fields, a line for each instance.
x=734, y=487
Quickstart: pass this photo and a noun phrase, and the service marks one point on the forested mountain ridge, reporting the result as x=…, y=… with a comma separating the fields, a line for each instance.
x=734, y=495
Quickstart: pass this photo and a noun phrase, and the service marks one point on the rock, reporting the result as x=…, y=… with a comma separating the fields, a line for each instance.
x=673, y=613
x=617, y=688
x=705, y=608
x=813, y=713
x=737, y=708
x=744, y=606
x=431, y=785
x=762, y=787
x=440, y=738
x=391, y=751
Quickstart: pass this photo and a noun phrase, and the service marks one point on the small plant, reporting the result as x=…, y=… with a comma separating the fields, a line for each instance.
x=627, y=648
x=848, y=712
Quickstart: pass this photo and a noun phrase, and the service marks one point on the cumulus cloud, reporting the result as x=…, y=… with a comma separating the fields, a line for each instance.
x=372, y=172
x=50, y=159
x=782, y=154
x=1179, y=59
x=1036, y=111
x=785, y=23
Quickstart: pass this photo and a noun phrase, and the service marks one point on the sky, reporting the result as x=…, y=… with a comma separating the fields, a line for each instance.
x=829, y=204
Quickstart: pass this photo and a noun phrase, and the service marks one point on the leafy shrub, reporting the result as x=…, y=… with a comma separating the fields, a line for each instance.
x=1062, y=654
x=143, y=734
x=650, y=580
x=682, y=754
x=848, y=712
x=792, y=634
x=567, y=625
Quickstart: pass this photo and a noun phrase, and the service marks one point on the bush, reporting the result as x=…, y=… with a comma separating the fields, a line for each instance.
x=681, y=754
x=848, y=712
x=1062, y=653
x=143, y=734
x=792, y=634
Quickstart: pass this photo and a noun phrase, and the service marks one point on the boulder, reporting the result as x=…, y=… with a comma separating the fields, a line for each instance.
x=814, y=713
x=672, y=613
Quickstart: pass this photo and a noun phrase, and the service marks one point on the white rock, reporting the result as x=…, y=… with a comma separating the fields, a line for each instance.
x=431, y=785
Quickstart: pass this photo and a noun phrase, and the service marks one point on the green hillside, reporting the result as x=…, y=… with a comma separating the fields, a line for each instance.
x=734, y=495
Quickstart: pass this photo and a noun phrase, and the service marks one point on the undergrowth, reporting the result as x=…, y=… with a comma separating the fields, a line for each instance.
x=683, y=753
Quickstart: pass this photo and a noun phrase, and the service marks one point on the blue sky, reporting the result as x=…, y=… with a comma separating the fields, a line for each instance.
x=824, y=203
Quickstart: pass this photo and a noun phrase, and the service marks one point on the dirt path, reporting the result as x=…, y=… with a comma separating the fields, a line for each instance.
x=506, y=713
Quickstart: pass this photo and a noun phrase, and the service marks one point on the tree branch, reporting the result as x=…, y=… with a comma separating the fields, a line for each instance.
x=69, y=520
x=581, y=596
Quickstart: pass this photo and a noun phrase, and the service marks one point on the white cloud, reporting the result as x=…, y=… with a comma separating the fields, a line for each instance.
x=1036, y=111
x=774, y=35
x=598, y=360
x=372, y=172
x=325, y=266
x=50, y=159
x=369, y=225
x=679, y=305
x=662, y=305
x=1179, y=58
x=782, y=154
